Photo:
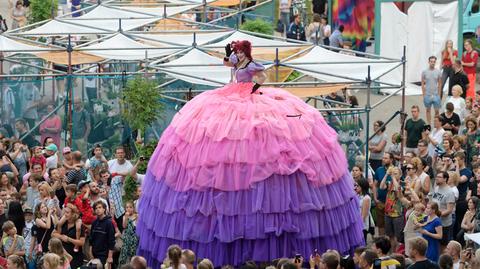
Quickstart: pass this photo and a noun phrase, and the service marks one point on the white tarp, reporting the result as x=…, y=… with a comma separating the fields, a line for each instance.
x=113, y=24
x=105, y=12
x=57, y=27
x=350, y=70
x=211, y=73
x=475, y=237
x=159, y=11
x=255, y=40
x=121, y=47
x=423, y=31
x=93, y=26
x=185, y=39
x=13, y=46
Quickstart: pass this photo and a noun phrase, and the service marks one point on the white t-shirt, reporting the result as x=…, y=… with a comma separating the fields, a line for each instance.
x=52, y=161
x=437, y=136
x=115, y=167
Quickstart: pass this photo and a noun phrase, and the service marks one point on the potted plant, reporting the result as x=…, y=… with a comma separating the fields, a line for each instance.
x=41, y=10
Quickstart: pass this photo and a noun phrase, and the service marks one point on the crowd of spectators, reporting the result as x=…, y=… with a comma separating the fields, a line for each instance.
x=62, y=208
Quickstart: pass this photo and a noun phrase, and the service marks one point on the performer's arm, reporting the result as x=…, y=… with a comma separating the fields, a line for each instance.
x=228, y=52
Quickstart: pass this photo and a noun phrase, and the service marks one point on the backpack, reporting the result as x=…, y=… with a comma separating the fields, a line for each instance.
x=280, y=26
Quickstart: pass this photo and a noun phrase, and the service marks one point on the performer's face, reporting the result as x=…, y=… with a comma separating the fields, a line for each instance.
x=240, y=55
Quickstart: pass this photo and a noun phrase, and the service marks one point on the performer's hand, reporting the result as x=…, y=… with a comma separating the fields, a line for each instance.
x=228, y=50
x=255, y=87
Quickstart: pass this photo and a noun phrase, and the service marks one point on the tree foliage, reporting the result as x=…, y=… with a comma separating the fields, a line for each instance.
x=258, y=26
x=42, y=10
x=141, y=103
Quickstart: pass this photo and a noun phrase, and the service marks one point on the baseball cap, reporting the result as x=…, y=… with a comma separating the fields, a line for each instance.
x=27, y=210
x=83, y=183
x=52, y=147
x=67, y=150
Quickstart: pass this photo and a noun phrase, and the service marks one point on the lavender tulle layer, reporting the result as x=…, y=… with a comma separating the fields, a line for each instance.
x=239, y=176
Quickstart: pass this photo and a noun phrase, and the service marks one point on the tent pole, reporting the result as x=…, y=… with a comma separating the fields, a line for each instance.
x=378, y=25
x=403, y=114
x=70, y=91
x=368, y=81
x=204, y=17
x=276, y=65
x=460, y=27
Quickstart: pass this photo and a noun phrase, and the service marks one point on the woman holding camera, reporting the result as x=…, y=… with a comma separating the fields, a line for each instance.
x=377, y=145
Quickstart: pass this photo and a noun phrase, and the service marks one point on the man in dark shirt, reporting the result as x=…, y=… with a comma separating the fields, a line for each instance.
x=22, y=129
x=320, y=7
x=296, y=29
x=413, y=130
x=458, y=78
x=450, y=120
x=418, y=249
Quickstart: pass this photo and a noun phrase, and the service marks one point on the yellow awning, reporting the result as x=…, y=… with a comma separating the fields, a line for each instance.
x=169, y=24
x=225, y=3
x=304, y=92
x=61, y=57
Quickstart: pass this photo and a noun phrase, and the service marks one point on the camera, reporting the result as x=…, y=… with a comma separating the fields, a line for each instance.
x=427, y=127
x=142, y=158
x=298, y=258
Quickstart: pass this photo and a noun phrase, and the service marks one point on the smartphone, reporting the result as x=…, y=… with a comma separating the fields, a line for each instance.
x=315, y=252
x=298, y=258
x=377, y=264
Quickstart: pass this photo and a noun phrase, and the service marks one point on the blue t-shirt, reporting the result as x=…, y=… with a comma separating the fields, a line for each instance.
x=463, y=187
x=379, y=174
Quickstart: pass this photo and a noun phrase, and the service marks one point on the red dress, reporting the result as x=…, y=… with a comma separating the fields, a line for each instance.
x=471, y=57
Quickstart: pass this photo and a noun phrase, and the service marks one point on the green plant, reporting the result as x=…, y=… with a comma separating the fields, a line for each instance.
x=294, y=75
x=141, y=103
x=145, y=152
x=42, y=10
x=258, y=26
x=130, y=187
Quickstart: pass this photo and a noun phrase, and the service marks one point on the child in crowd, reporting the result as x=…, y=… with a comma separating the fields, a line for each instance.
x=13, y=244
x=55, y=246
x=415, y=218
x=38, y=158
x=27, y=235
x=31, y=191
x=72, y=198
x=395, y=147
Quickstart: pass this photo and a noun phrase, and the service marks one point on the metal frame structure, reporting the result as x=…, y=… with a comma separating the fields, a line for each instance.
x=150, y=67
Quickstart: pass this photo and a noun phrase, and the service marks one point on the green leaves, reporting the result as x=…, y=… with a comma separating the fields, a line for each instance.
x=41, y=10
x=258, y=26
x=141, y=103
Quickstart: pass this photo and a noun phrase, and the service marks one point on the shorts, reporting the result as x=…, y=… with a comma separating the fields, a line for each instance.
x=380, y=215
x=446, y=235
x=432, y=100
x=394, y=227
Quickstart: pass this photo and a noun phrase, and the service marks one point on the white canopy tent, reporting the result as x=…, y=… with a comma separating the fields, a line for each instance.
x=255, y=40
x=121, y=47
x=93, y=26
x=204, y=69
x=58, y=27
x=337, y=67
x=186, y=39
x=159, y=11
x=10, y=46
x=106, y=12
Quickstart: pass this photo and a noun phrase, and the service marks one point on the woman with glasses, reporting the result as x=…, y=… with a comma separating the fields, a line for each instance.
x=362, y=188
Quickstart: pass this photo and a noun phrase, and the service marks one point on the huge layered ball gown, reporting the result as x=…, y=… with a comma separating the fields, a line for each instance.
x=238, y=176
